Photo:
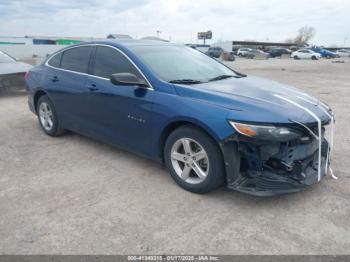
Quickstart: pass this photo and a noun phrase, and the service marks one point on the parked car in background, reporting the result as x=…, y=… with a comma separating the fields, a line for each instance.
x=228, y=56
x=258, y=51
x=243, y=51
x=214, y=52
x=250, y=52
x=210, y=125
x=305, y=54
x=278, y=52
x=12, y=73
x=324, y=52
x=343, y=53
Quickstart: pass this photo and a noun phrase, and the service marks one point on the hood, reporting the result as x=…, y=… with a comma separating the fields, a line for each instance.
x=14, y=68
x=255, y=99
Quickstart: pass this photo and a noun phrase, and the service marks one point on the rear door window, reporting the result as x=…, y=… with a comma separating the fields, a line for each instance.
x=55, y=61
x=76, y=59
x=110, y=61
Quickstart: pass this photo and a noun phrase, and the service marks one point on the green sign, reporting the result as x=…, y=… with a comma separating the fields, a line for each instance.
x=67, y=41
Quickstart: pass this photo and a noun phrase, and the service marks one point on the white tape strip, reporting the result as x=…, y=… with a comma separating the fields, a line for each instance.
x=325, y=109
x=319, y=137
x=330, y=144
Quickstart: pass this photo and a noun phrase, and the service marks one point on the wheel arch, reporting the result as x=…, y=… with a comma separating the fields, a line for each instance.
x=170, y=127
x=39, y=93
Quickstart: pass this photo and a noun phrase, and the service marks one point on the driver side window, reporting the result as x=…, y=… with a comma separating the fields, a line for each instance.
x=109, y=61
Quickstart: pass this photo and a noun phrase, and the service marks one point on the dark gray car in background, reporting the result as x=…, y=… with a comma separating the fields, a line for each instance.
x=214, y=52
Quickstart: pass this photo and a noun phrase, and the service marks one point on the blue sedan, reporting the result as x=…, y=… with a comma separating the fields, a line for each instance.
x=324, y=52
x=210, y=125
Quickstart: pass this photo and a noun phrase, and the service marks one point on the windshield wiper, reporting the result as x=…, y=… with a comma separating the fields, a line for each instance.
x=185, y=81
x=220, y=77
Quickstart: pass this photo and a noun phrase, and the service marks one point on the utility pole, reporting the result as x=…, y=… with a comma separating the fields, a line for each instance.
x=158, y=33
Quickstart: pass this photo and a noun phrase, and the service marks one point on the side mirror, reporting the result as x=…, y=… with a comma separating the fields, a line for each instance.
x=127, y=79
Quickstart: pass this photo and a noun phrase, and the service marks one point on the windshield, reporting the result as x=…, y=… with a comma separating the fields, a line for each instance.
x=4, y=58
x=174, y=63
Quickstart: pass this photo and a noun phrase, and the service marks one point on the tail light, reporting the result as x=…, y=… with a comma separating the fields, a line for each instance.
x=26, y=75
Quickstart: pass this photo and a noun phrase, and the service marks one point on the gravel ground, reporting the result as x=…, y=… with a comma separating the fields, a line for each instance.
x=73, y=195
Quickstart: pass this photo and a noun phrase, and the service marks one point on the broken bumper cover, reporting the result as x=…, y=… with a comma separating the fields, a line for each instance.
x=268, y=183
x=266, y=169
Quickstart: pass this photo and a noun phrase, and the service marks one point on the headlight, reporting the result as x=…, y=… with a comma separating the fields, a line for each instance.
x=266, y=132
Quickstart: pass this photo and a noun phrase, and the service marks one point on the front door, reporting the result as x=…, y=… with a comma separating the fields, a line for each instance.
x=121, y=114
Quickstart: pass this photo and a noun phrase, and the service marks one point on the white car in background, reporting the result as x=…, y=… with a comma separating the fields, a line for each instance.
x=12, y=73
x=343, y=53
x=243, y=51
x=305, y=54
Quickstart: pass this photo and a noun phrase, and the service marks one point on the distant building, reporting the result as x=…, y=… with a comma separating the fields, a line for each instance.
x=118, y=36
x=44, y=40
x=37, y=47
x=8, y=40
x=225, y=45
x=263, y=45
x=235, y=45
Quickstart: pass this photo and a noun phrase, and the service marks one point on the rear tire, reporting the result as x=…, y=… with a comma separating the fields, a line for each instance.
x=194, y=160
x=47, y=117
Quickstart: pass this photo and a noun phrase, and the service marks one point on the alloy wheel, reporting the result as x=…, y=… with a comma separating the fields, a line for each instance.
x=46, y=116
x=189, y=160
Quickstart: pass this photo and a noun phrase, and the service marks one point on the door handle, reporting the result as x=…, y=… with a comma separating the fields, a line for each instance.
x=54, y=79
x=93, y=87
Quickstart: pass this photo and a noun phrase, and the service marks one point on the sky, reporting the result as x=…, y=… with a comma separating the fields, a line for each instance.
x=179, y=20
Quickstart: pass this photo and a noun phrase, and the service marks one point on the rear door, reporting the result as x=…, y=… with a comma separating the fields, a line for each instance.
x=69, y=90
x=121, y=114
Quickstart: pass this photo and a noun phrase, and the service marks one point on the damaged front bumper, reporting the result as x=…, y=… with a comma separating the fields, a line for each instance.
x=265, y=168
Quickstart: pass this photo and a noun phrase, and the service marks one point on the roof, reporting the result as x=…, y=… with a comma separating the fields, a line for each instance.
x=127, y=42
x=123, y=44
x=154, y=38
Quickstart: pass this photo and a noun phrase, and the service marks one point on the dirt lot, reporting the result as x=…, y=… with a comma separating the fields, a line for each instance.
x=72, y=195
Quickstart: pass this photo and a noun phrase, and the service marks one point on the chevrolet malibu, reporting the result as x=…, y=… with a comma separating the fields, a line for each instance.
x=210, y=125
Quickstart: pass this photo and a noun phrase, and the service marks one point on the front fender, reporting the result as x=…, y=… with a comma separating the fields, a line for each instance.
x=178, y=109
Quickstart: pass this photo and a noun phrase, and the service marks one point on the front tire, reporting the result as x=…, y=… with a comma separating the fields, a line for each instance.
x=314, y=58
x=47, y=117
x=194, y=160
